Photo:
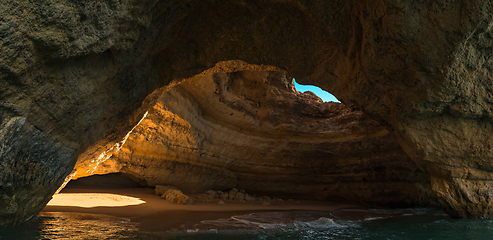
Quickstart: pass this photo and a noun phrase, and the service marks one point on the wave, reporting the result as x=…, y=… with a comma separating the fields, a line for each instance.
x=278, y=221
x=303, y=220
x=321, y=223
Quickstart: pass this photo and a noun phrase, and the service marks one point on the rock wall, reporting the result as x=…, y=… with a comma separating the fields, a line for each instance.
x=73, y=74
x=63, y=84
x=425, y=69
x=251, y=130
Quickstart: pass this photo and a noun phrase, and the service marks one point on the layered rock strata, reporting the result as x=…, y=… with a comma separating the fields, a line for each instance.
x=47, y=104
x=251, y=130
x=426, y=69
x=73, y=72
x=71, y=75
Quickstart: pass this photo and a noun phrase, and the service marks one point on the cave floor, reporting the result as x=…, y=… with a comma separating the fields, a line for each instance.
x=152, y=213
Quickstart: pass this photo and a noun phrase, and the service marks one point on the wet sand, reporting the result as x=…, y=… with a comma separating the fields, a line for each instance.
x=152, y=213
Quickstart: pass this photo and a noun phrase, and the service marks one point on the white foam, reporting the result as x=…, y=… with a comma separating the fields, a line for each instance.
x=374, y=218
x=321, y=223
x=275, y=221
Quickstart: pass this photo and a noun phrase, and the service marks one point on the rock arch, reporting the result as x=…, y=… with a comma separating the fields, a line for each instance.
x=249, y=129
x=74, y=76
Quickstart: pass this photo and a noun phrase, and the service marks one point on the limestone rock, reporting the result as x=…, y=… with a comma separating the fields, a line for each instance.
x=73, y=75
x=425, y=69
x=249, y=198
x=313, y=95
x=177, y=196
x=224, y=196
x=60, y=94
x=239, y=197
x=207, y=196
x=160, y=189
x=251, y=130
x=234, y=195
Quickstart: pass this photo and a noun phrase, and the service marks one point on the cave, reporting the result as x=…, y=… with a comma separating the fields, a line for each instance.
x=87, y=88
x=273, y=141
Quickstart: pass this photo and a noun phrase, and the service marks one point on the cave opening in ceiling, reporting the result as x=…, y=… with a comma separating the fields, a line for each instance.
x=324, y=95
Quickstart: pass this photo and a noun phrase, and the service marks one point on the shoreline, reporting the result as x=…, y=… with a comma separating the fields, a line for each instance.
x=152, y=213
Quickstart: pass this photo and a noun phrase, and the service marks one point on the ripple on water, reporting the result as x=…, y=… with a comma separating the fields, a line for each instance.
x=341, y=224
x=67, y=225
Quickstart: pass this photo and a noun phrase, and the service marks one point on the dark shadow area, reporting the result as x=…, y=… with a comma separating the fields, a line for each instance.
x=106, y=181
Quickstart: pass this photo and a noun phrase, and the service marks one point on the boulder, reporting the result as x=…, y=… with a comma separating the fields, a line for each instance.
x=177, y=196
x=249, y=198
x=160, y=189
x=224, y=196
x=207, y=196
x=239, y=197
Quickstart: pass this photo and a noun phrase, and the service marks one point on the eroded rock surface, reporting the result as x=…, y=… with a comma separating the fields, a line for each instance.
x=426, y=69
x=251, y=130
x=73, y=72
x=62, y=87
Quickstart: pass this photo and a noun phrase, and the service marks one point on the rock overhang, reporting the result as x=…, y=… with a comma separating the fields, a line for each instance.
x=423, y=69
x=247, y=127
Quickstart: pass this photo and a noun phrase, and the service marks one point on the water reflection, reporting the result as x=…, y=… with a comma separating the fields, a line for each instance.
x=366, y=224
x=66, y=225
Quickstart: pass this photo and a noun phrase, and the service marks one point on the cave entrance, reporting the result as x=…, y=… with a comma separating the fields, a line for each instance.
x=324, y=95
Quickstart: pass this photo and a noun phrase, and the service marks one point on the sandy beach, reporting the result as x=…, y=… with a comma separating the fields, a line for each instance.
x=152, y=213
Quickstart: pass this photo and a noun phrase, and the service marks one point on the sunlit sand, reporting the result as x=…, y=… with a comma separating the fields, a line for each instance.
x=90, y=200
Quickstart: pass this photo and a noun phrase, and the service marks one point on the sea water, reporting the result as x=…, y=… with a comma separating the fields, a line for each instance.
x=415, y=223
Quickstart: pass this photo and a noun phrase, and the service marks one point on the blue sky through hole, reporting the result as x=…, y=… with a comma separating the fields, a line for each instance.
x=327, y=97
